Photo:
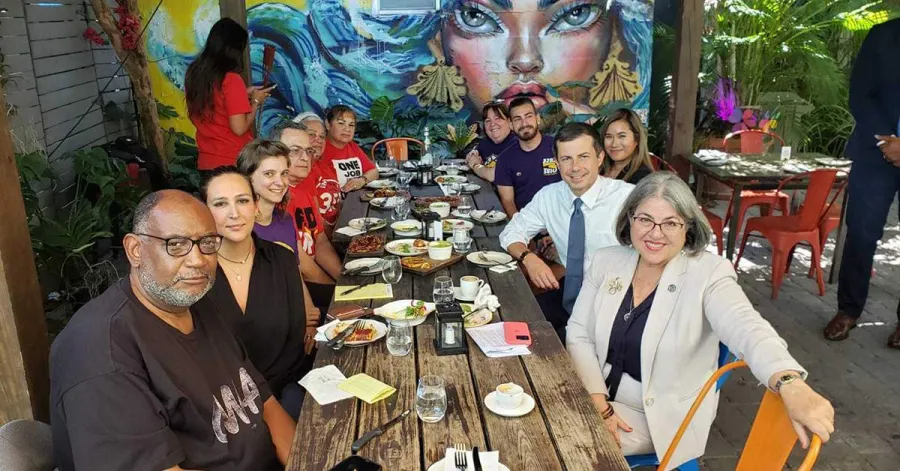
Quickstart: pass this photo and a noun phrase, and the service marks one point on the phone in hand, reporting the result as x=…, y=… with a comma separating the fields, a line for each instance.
x=270, y=87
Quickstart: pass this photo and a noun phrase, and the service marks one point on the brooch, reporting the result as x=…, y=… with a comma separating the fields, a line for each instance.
x=614, y=285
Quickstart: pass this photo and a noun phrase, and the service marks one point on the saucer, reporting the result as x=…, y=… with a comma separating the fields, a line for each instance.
x=525, y=407
x=457, y=293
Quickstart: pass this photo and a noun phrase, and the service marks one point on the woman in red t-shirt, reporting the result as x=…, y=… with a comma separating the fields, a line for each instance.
x=349, y=164
x=220, y=105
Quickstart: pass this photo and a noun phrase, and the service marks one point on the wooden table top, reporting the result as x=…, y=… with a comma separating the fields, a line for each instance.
x=564, y=432
x=759, y=167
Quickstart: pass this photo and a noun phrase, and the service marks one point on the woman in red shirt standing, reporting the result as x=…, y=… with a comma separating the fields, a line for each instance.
x=343, y=159
x=219, y=104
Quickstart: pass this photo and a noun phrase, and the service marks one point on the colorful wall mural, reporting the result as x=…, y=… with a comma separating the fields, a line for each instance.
x=583, y=54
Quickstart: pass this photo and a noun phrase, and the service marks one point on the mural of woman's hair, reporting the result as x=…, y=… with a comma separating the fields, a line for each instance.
x=588, y=53
x=223, y=53
x=641, y=155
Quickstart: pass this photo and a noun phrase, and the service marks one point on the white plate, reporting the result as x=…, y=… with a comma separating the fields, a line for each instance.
x=496, y=258
x=457, y=293
x=450, y=179
x=393, y=247
x=525, y=407
x=374, y=223
x=439, y=466
x=456, y=224
x=407, y=222
x=380, y=331
x=716, y=162
x=363, y=262
x=394, y=311
x=492, y=218
x=455, y=213
x=470, y=188
x=480, y=318
x=832, y=162
x=379, y=184
x=386, y=171
x=386, y=203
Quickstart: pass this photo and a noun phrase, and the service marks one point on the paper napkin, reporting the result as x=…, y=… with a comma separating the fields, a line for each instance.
x=490, y=460
x=348, y=231
x=366, y=388
x=372, y=291
x=322, y=384
x=503, y=268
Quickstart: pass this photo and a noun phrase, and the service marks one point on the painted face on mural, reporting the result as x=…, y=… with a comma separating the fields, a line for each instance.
x=509, y=48
x=496, y=127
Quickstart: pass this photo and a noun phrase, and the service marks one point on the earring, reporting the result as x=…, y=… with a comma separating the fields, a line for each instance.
x=439, y=82
x=615, y=81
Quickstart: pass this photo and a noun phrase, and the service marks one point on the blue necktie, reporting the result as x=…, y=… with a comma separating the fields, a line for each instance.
x=574, y=258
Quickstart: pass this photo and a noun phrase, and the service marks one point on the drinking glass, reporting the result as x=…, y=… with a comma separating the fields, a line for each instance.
x=443, y=289
x=465, y=206
x=401, y=211
x=392, y=271
x=431, y=399
x=399, y=338
x=403, y=179
x=453, y=189
x=462, y=242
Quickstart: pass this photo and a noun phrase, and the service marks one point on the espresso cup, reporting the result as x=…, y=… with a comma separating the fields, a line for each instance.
x=443, y=209
x=469, y=286
x=510, y=395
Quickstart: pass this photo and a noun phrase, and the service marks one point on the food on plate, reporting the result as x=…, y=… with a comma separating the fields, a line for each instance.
x=450, y=225
x=417, y=263
x=418, y=246
x=407, y=228
x=424, y=202
x=419, y=243
x=367, y=244
x=364, y=333
x=417, y=309
x=441, y=244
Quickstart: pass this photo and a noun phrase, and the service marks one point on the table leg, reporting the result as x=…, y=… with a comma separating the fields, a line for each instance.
x=733, y=223
x=839, y=240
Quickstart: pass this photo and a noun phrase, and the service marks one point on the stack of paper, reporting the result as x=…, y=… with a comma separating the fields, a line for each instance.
x=372, y=291
x=322, y=384
x=366, y=388
x=491, y=340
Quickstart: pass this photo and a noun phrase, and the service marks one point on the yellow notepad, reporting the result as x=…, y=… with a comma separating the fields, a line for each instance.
x=373, y=291
x=366, y=388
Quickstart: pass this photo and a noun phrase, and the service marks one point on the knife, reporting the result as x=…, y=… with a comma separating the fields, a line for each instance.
x=352, y=290
x=343, y=335
x=475, y=461
x=357, y=445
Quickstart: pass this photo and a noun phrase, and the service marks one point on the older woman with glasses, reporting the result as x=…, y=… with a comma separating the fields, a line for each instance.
x=645, y=330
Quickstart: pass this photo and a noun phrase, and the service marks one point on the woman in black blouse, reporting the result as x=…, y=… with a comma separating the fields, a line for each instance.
x=625, y=146
x=258, y=288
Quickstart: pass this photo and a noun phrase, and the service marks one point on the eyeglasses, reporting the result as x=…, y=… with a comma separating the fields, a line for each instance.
x=181, y=246
x=296, y=151
x=647, y=224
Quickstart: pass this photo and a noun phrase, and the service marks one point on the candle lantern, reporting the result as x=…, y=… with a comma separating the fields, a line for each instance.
x=425, y=175
x=449, y=335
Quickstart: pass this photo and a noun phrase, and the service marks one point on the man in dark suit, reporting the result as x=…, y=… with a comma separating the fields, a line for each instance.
x=875, y=176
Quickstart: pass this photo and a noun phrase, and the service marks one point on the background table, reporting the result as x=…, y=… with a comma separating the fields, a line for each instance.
x=759, y=172
x=564, y=432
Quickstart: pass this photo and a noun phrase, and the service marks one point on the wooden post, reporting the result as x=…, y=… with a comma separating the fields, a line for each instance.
x=237, y=11
x=24, y=352
x=685, y=83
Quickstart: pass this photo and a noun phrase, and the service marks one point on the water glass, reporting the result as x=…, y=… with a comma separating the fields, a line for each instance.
x=392, y=271
x=401, y=211
x=453, y=189
x=403, y=179
x=462, y=241
x=465, y=206
x=443, y=289
x=431, y=399
x=399, y=338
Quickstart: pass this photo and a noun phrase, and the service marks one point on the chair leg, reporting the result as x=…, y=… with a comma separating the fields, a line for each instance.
x=823, y=237
x=779, y=261
x=790, y=260
x=720, y=244
x=765, y=209
x=728, y=211
x=740, y=253
x=817, y=266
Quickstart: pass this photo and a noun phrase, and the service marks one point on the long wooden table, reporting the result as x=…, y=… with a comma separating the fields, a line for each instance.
x=564, y=432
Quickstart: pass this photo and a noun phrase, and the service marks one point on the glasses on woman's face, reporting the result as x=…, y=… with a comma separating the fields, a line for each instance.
x=668, y=227
x=181, y=246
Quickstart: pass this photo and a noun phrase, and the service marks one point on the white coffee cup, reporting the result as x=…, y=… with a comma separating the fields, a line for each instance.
x=469, y=286
x=443, y=209
x=510, y=395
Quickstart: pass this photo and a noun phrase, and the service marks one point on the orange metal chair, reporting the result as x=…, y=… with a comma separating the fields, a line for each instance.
x=771, y=439
x=785, y=232
x=831, y=219
x=718, y=226
x=397, y=147
x=660, y=164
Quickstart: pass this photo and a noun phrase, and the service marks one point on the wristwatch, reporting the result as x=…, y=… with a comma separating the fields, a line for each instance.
x=523, y=255
x=477, y=166
x=785, y=380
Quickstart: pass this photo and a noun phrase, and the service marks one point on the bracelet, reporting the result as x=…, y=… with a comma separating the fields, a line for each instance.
x=609, y=412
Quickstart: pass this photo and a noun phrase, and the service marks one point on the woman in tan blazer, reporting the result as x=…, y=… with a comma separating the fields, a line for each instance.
x=645, y=329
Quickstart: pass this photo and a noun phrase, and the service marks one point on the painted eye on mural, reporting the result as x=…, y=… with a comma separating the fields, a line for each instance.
x=575, y=17
x=477, y=19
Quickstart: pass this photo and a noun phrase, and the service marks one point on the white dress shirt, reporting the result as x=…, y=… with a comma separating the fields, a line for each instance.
x=552, y=208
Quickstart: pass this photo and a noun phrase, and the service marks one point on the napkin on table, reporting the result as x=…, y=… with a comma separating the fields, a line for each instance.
x=372, y=291
x=348, y=231
x=490, y=460
x=322, y=384
x=366, y=388
x=486, y=299
x=504, y=268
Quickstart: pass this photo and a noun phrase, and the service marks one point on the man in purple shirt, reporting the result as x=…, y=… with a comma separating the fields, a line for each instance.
x=526, y=167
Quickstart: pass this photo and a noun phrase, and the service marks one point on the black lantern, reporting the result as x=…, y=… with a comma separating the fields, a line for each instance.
x=449, y=334
x=425, y=175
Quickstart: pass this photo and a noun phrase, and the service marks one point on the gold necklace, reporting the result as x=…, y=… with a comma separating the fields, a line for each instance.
x=242, y=261
x=236, y=274
x=239, y=276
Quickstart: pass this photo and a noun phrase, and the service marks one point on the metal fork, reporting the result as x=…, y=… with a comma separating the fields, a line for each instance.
x=343, y=339
x=460, y=459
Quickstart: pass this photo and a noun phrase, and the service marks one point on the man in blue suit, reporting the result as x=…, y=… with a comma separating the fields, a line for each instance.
x=874, y=148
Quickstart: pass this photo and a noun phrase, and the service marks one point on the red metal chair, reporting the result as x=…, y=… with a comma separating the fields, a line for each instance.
x=785, y=232
x=831, y=219
x=660, y=164
x=397, y=147
x=718, y=226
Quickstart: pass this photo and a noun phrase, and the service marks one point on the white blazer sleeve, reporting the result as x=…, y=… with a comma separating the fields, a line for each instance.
x=581, y=336
x=525, y=224
x=742, y=329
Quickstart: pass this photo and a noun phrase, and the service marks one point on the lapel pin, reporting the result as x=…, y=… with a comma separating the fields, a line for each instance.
x=671, y=288
x=614, y=285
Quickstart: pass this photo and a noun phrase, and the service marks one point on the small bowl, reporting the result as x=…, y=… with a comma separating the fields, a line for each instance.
x=443, y=209
x=440, y=250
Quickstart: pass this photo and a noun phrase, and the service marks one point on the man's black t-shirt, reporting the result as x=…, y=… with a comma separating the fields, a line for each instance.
x=131, y=392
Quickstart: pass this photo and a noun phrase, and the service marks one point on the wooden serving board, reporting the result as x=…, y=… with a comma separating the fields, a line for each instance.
x=436, y=264
x=367, y=195
x=375, y=254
